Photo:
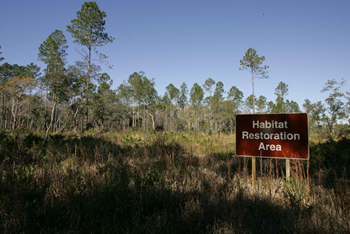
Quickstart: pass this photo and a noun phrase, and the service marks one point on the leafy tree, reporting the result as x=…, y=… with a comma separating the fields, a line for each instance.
x=182, y=101
x=8, y=71
x=308, y=106
x=197, y=95
x=135, y=82
x=165, y=100
x=292, y=107
x=80, y=90
x=16, y=90
x=282, y=105
x=125, y=93
x=83, y=88
x=209, y=83
x=319, y=113
x=253, y=64
x=261, y=104
x=163, y=105
x=142, y=93
x=104, y=77
x=236, y=96
x=16, y=82
x=53, y=53
x=79, y=69
x=174, y=94
x=271, y=107
x=250, y=102
x=143, y=88
x=281, y=91
x=335, y=109
x=104, y=102
x=233, y=105
x=149, y=99
x=149, y=92
x=196, y=99
x=217, y=107
x=279, y=105
x=316, y=111
x=130, y=93
x=208, y=110
x=88, y=30
x=218, y=93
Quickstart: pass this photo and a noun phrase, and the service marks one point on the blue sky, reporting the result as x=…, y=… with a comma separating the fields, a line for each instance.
x=305, y=43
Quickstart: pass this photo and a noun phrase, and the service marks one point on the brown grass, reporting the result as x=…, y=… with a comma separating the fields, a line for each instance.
x=161, y=183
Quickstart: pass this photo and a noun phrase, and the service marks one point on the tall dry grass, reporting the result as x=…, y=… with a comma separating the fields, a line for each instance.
x=165, y=183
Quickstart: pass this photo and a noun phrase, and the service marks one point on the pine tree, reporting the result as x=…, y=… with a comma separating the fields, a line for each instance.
x=253, y=64
x=88, y=30
x=53, y=53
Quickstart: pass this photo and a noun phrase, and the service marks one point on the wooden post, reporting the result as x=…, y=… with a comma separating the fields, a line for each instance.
x=254, y=172
x=308, y=170
x=287, y=168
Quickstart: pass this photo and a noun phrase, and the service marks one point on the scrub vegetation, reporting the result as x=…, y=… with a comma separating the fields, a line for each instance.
x=170, y=182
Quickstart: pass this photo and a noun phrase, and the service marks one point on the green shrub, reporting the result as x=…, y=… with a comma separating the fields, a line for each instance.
x=295, y=190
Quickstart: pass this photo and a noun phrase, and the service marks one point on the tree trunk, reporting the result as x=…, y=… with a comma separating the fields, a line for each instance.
x=52, y=117
x=253, y=94
x=14, y=113
x=144, y=117
x=253, y=158
x=153, y=124
x=88, y=83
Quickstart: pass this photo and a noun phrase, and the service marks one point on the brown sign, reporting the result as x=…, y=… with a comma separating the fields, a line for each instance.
x=272, y=135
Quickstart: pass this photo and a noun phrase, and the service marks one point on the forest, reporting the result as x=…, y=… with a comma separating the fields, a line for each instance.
x=77, y=156
x=75, y=98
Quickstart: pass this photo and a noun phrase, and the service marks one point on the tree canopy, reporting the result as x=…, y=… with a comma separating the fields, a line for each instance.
x=252, y=63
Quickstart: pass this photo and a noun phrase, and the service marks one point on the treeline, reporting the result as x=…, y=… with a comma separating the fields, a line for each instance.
x=26, y=102
x=79, y=97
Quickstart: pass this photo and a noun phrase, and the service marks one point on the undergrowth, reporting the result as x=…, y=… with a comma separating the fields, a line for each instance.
x=165, y=183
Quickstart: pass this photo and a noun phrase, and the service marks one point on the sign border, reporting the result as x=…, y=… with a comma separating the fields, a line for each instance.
x=249, y=156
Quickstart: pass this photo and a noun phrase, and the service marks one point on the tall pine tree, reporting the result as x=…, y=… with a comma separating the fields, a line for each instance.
x=53, y=53
x=88, y=30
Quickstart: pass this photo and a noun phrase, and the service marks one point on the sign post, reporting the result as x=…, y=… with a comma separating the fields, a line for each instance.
x=287, y=168
x=272, y=136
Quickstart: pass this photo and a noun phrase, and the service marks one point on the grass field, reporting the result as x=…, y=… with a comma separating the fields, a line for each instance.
x=166, y=183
